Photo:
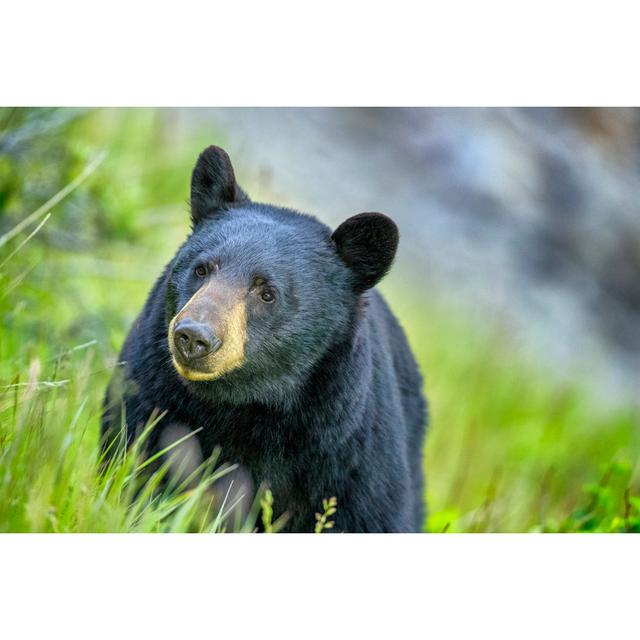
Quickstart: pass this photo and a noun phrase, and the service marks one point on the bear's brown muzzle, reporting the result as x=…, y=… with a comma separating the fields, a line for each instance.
x=207, y=336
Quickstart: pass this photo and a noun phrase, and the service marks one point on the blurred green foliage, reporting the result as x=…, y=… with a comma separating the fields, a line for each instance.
x=510, y=448
x=609, y=507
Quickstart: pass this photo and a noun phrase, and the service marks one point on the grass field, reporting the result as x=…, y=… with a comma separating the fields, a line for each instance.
x=509, y=448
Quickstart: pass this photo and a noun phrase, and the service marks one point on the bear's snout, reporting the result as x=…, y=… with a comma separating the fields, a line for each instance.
x=207, y=336
x=194, y=340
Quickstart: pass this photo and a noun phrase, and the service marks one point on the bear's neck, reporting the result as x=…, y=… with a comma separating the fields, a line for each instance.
x=329, y=407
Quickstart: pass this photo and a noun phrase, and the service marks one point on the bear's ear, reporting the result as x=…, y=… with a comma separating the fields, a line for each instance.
x=213, y=184
x=367, y=243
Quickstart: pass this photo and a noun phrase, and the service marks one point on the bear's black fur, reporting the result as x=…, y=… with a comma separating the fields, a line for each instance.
x=324, y=397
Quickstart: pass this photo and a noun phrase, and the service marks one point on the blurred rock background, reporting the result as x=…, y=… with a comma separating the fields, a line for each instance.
x=527, y=217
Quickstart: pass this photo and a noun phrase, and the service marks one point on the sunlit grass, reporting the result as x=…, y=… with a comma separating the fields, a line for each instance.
x=510, y=446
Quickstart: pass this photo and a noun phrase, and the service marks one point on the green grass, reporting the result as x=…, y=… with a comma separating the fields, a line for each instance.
x=509, y=447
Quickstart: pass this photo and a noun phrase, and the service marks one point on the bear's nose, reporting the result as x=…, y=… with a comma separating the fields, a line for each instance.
x=194, y=340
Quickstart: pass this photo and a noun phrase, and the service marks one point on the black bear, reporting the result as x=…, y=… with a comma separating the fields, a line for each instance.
x=265, y=334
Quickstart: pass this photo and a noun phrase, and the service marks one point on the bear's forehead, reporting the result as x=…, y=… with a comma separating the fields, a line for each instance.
x=257, y=241
x=279, y=230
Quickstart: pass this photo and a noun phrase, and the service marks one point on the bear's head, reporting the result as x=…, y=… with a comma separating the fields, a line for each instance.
x=258, y=295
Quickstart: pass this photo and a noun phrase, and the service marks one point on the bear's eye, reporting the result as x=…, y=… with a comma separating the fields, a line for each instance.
x=200, y=271
x=267, y=296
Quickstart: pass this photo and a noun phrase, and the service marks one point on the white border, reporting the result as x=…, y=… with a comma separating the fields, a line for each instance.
x=287, y=52
x=327, y=586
